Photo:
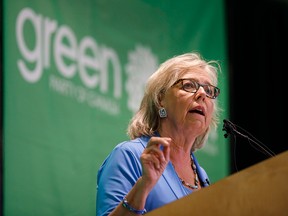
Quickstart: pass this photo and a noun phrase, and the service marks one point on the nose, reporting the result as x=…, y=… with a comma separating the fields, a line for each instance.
x=200, y=94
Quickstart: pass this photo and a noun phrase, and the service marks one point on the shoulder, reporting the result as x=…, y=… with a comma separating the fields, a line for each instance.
x=125, y=157
x=127, y=150
x=134, y=145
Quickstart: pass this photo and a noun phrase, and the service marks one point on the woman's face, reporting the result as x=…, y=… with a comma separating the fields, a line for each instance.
x=189, y=111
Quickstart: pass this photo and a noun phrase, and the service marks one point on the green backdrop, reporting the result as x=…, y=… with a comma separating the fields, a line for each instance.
x=74, y=73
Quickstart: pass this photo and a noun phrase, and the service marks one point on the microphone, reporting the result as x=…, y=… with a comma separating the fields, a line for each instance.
x=229, y=128
x=233, y=129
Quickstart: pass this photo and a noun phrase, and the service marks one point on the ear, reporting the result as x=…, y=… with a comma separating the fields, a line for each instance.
x=161, y=100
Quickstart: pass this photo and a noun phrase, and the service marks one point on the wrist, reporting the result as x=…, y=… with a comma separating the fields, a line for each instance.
x=126, y=205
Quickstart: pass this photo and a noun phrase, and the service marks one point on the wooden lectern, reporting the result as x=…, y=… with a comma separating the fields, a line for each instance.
x=261, y=189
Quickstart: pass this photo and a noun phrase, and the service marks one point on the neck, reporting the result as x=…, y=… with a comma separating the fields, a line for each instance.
x=180, y=134
x=176, y=153
x=181, y=143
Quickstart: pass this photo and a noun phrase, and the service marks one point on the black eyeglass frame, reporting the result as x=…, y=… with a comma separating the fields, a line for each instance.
x=216, y=90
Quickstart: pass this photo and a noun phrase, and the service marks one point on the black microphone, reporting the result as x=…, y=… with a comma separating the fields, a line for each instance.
x=229, y=128
x=233, y=129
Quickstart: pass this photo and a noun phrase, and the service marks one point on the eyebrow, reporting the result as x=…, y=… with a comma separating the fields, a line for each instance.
x=206, y=82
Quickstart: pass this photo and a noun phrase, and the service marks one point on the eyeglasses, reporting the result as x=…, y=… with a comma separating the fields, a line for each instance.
x=190, y=85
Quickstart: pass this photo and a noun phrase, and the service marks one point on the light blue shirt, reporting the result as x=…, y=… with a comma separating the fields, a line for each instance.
x=122, y=168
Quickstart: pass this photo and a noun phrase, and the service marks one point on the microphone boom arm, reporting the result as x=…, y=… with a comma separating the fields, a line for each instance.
x=231, y=129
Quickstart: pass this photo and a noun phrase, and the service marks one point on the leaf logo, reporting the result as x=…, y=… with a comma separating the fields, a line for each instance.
x=141, y=64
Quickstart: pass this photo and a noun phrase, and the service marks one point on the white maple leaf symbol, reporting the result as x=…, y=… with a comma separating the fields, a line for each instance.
x=141, y=64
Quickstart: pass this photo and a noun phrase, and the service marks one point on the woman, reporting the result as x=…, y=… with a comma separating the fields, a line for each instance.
x=157, y=166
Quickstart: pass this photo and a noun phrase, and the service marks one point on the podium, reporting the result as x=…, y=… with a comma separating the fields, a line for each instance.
x=261, y=189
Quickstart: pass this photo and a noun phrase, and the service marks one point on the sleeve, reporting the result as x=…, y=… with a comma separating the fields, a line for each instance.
x=117, y=175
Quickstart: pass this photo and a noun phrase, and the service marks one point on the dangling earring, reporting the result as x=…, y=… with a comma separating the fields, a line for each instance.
x=162, y=112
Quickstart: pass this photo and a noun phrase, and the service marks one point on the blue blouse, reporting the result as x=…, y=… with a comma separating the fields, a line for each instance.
x=122, y=168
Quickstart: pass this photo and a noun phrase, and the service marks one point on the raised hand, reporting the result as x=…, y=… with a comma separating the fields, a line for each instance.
x=154, y=160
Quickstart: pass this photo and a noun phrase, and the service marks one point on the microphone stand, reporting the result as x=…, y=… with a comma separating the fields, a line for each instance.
x=231, y=129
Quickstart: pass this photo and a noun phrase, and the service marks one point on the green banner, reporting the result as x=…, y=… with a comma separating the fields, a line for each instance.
x=74, y=73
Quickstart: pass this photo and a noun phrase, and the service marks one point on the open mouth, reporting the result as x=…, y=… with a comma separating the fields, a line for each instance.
x=199, y=111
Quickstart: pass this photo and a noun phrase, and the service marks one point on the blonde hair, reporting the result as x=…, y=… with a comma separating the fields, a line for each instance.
x=146, y=120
